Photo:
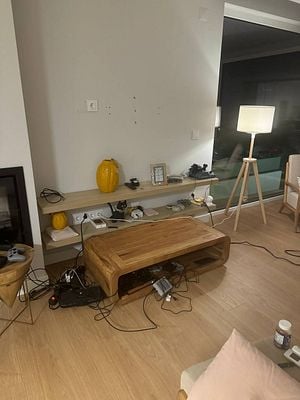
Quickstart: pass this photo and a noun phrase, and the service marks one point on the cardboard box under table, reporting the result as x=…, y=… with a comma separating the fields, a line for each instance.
x=128, y=254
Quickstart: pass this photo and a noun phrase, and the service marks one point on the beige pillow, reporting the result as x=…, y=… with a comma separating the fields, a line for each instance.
x=242, y=372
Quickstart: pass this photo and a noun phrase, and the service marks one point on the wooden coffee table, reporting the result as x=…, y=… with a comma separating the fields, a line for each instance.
x=187, y=241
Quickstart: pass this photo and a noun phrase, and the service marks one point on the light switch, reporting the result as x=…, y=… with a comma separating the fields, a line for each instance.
x=202, y=15
x=195, y=134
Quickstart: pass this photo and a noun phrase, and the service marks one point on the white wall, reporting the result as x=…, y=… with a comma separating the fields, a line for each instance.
x=14, y=144
x=159, y=57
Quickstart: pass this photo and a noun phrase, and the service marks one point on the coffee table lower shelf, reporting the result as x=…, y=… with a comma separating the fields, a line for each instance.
x=194, y=264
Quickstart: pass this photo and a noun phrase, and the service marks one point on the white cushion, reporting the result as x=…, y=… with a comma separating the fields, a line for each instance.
x=292, y=199
x=294, y=168
x=191, y=374
x=241, y=372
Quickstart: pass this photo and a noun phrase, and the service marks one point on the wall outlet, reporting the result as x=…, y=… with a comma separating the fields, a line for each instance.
x=78, y=217
x=91, y=105
x=195, y=134
x=95, y=213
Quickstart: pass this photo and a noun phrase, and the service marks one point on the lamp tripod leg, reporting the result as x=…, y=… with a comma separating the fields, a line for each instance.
x=255, y=169
x=245, y=179
x=239, y=177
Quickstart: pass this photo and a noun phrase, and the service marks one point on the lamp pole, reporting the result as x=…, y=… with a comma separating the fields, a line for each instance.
x=251, y=145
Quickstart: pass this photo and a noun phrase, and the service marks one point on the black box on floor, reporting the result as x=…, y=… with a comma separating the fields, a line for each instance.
x=69, y=296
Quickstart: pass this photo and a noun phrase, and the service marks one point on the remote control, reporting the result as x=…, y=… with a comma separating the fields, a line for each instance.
x=293, y=355
x=14, y=255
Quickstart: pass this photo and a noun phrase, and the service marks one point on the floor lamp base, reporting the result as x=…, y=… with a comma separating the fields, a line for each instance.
x=243, y=176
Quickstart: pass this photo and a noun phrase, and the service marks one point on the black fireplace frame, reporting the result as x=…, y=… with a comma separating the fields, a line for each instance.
x=17, y=174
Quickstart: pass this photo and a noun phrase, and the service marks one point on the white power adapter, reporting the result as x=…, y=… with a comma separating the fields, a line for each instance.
x=98, y=223
x=68, y=277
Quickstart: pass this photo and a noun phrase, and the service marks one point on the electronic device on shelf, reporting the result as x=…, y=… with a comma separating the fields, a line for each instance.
x=137, y=212
x=118, y=212
x=293, y=355
x=133, y=184
x=130, y=185
x=175, y=179
x=198, y=172
x=16, y=254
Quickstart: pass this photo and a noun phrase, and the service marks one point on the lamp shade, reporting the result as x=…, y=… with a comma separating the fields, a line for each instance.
x=256, y=119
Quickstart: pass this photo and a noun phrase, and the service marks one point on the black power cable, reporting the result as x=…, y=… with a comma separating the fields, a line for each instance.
x=210, y=213
x=51, y=195
x=172, y=294
x=105, y=312
x=245, y=242
x=81, y=230
x=190, y=309
x=81, y=241
x=291, y=253
x=205, y=204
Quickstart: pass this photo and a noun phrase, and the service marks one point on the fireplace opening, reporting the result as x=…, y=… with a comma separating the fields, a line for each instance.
x=15, y=224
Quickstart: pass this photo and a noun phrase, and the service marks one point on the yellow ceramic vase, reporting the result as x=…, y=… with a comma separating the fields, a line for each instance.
x=107, y=176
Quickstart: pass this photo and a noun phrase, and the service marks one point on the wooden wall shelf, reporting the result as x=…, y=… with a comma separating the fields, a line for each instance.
x=94, y=197
x=90, y=198
x=89, y=230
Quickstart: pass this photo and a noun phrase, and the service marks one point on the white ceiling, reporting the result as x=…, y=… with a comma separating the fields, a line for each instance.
x=246, y=40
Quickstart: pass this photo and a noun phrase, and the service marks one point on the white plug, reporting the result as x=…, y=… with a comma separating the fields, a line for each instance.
x=168, y=297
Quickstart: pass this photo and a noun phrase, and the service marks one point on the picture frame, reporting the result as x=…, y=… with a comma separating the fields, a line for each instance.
x=159, y=174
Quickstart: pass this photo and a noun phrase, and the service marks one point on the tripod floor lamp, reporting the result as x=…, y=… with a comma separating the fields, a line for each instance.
x=253, y=120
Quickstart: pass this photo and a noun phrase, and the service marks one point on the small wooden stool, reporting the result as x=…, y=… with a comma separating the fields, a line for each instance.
x=12, y=279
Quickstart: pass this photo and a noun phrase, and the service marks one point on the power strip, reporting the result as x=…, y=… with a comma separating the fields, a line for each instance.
x=91, y=214
x=162, y=286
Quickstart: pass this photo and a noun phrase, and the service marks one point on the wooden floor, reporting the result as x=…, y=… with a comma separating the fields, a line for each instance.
x=67, y=355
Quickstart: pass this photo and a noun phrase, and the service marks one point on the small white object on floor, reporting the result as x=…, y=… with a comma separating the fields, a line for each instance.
x=168, y=297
